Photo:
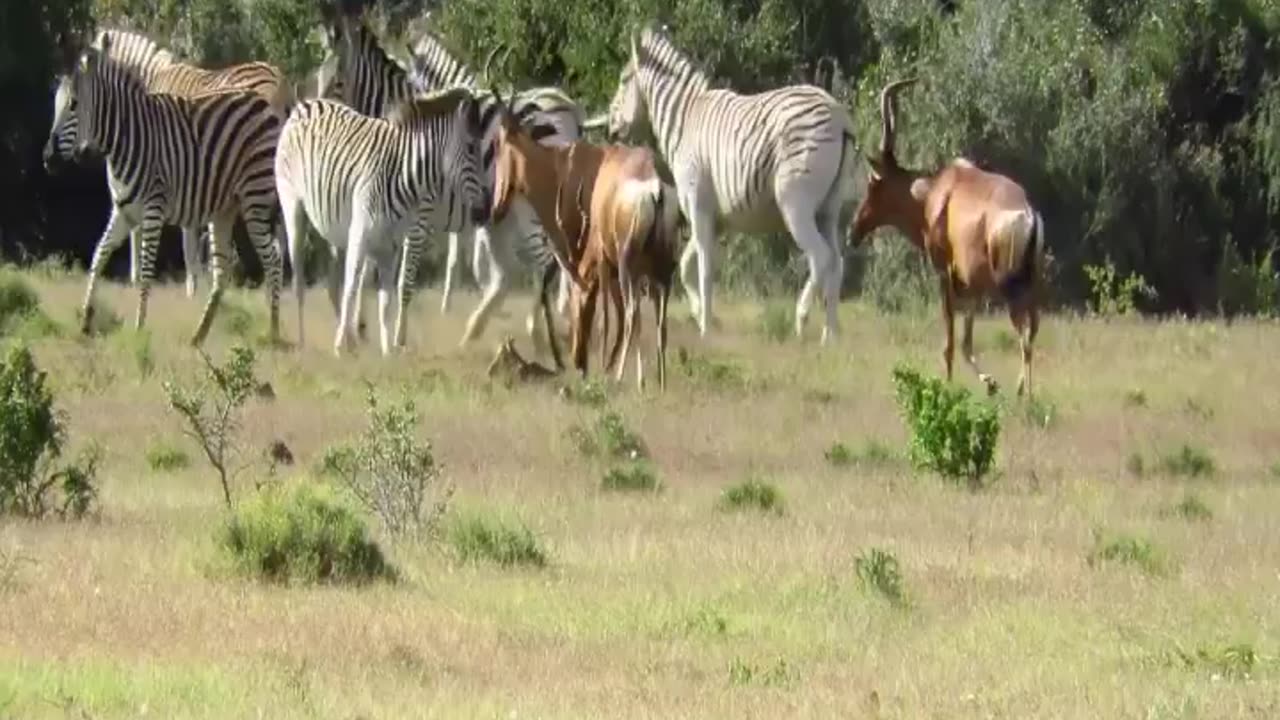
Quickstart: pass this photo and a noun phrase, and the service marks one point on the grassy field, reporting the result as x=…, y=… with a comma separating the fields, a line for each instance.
x=660, y=604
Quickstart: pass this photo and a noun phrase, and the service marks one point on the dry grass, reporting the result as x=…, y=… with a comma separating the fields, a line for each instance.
x=658, y=605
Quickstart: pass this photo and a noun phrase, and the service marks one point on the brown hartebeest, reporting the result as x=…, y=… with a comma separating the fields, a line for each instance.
x=609, y=209
x=978, y=229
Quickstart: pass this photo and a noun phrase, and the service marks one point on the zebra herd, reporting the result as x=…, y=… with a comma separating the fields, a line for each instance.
x=387, y=154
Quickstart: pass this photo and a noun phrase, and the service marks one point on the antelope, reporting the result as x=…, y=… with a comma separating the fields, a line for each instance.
x=979, y=231
x=631, y=228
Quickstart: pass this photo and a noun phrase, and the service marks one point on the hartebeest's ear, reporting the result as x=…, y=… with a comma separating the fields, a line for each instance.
x=920, y=188
x=876, y=168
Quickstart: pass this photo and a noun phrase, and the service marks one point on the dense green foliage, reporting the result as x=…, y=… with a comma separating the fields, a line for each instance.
x=305, y=534
x=1147, y=131
x=32, y=437
x=951, y=433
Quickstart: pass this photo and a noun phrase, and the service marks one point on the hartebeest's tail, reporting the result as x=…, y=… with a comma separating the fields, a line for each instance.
x=1023, y=247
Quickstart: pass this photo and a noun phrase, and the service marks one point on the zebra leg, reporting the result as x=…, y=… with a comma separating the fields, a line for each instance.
x=704, y=237
x=385, y=257
x=220, y=244
x=408, y=281
x=687, y=277
x=544, y=301
x=135, y=262
x=835, y=271
x=450, y=270
x=257, y=223
x=352, y=275
x=503, y=261
x=802, y=226
x=481, y=257
x=365, y=269
x=294, y=215
x=152, y=225
x=191, y=258
x=118, y=228
x=336, y=266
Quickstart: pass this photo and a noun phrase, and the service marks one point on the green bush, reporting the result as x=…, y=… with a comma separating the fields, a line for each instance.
x=1129, y=550
x=634, y=477
x=391, y=472
x=752, y=495
x=1188, y=461
x=165, y=458
x=609, y=437
x=951, y=433
x=878, y=572
x=211, y=410
x=872, y=454
x=32, y=438
x=303, y=534
x=476, y=537
x=17, y=300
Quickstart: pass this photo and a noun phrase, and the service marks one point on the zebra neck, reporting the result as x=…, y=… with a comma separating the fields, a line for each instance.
x=415, y=148
x=668, y=103
x=121, y=140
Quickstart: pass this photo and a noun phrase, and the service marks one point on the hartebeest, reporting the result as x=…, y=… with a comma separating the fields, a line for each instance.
x=978, y=229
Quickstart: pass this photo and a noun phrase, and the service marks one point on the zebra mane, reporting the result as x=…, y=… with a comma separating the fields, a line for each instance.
x=656, y=52
x=133, y=50
x=366, y=41
x=435, y=66
x=429, y=106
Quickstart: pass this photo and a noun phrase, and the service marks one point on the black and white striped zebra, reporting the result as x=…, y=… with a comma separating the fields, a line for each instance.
x=160, y=72
x=773, y=161
x=366, y=182
x=370, y=79
x=184, y=161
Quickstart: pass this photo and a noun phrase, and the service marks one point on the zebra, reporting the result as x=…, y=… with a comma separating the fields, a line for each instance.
x=777, y=160
x=162, y=73
x=365, y=182
x=370, y=79
x=182, y=160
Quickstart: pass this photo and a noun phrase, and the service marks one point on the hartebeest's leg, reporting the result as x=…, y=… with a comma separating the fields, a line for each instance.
x=1026, y=320
x=948, y=323
x=966, y=345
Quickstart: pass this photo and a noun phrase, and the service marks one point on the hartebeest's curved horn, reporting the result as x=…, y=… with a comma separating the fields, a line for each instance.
x=484, y=72
x=888, y=123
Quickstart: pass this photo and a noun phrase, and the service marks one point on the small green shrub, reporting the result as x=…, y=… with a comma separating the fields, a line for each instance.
x=878, y=572
x=20, y=312
x=873, y=454
x=1111, y=295
x=1198, y=409
x=1275, y=470
x=1005, y=341
x=17, y=299
x=137, y=345
x=776, y=674
x=633, y=477
x=591, y=393
x=1192, y=508
x=32, y=438
x=777, y=321
x=1136, y=465
x=717, y=374
x=1236, y=662
x=305, y=534
x=752, y=495
x=391, y=472
x=608, y=438
x=484, y=537
x=165, y=458
x=1129, y=550
x=215, y=423
x=951, y=433
x=1135, y=397
x=238, y=320
x=1188, y=461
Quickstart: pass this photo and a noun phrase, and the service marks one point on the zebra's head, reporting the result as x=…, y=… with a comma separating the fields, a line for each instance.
x=627, y=110
x=358, y=71
x=73, y=130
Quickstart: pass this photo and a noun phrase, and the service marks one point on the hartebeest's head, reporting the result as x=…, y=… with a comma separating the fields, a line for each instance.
x=895, y=195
